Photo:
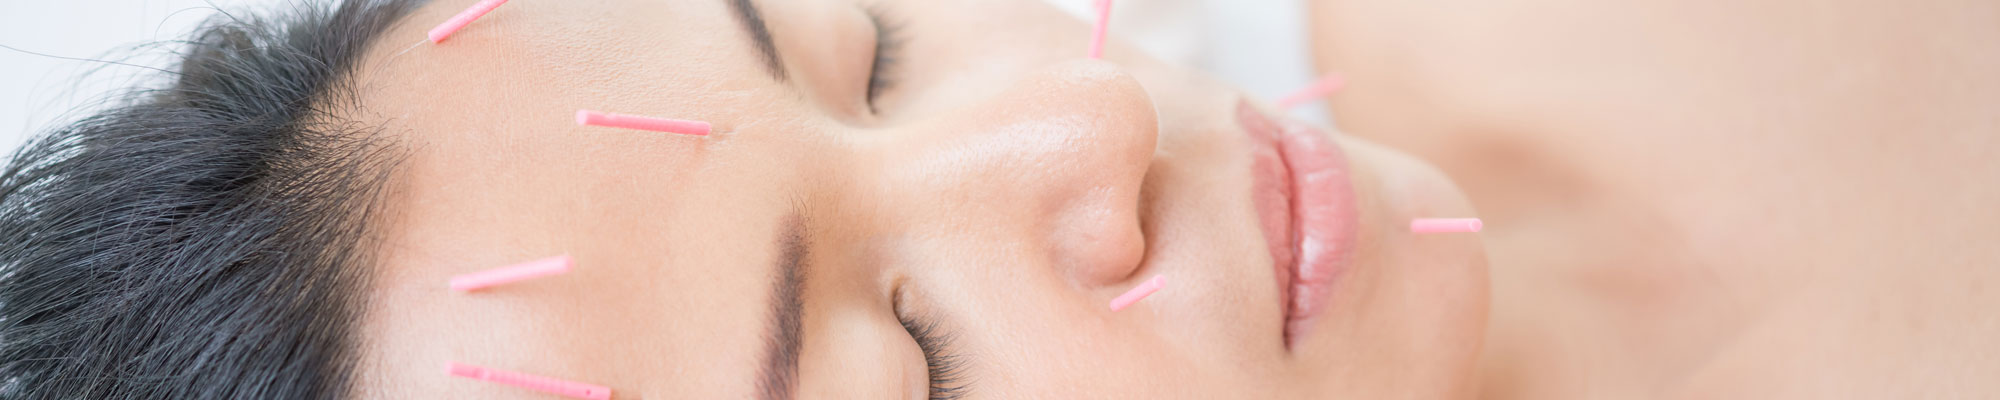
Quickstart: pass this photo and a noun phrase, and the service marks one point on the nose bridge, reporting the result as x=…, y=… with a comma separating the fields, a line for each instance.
x=1060, y=156
x=1101, y=113
x=1073, y=125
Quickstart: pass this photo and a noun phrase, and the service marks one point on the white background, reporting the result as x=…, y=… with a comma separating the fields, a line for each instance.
x=36, y=91
x=1255, y=44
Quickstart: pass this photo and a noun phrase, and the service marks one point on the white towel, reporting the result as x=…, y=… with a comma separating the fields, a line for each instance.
x=1257, y=45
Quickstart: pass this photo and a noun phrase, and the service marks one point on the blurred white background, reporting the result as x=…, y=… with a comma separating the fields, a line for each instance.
x=1256, y=44
x=37, y=91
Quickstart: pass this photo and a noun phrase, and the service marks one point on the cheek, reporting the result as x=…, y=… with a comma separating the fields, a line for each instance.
x=1040, y=343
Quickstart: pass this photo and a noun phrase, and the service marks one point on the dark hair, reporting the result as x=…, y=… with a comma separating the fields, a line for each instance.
x=206, y=239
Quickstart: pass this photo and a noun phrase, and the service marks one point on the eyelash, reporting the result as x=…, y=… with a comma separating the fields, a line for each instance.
x=888, y=47
x=946, y=380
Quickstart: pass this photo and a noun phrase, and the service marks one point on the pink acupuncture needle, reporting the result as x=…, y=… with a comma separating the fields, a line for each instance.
x=512, y=273
x=1326, y=85
x=1139, y=292
x=680, y=126
x=463, y=18
x=1446, y=225
x=1097, y=33
x=575, y=390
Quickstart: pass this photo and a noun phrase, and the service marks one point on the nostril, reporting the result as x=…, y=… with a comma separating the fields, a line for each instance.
x=1098, y=239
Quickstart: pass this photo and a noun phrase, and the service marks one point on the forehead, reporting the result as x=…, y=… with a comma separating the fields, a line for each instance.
x=671, y=234
x=668, y=55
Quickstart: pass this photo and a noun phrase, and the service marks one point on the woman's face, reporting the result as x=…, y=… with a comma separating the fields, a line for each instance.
x=996, y=190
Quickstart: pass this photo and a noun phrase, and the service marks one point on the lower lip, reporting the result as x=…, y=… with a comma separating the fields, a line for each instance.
x=1305, y=200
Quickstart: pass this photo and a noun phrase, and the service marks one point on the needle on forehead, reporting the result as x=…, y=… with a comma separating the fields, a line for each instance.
x=680, y=126
x=463, y=18
x=575, y=390
x=512, y=273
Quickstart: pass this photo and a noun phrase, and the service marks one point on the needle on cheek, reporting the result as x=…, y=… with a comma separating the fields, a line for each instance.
x=575, y=390
x=512, y=273
x=1445, y=225
x=463, y=18
x=1326, y=85
x=1139, y=292
x=680, y=126
x=1097, y=33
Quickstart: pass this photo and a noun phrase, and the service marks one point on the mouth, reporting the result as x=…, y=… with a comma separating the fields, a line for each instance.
x=1305, y=203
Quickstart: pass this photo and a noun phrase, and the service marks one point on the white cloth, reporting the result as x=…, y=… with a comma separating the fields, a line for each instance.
x=1257, y=45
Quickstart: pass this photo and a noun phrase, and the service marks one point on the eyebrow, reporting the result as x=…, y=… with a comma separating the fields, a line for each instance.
x=760, y=36
x=779, y=374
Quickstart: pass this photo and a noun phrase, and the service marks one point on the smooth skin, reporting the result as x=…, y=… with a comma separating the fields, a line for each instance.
x=1689, y=199
x=1005, y=186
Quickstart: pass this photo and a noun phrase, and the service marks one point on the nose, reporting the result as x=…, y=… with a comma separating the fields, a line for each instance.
x=1056, y=160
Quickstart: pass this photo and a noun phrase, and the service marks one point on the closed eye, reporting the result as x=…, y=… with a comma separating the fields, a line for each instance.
x=947, y=381
x=888, y=49
x=945, y=369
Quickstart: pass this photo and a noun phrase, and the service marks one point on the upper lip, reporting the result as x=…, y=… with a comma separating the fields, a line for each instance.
x=1312, y=233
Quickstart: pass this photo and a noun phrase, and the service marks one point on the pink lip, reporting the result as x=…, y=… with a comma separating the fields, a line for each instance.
x=1305, y=202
